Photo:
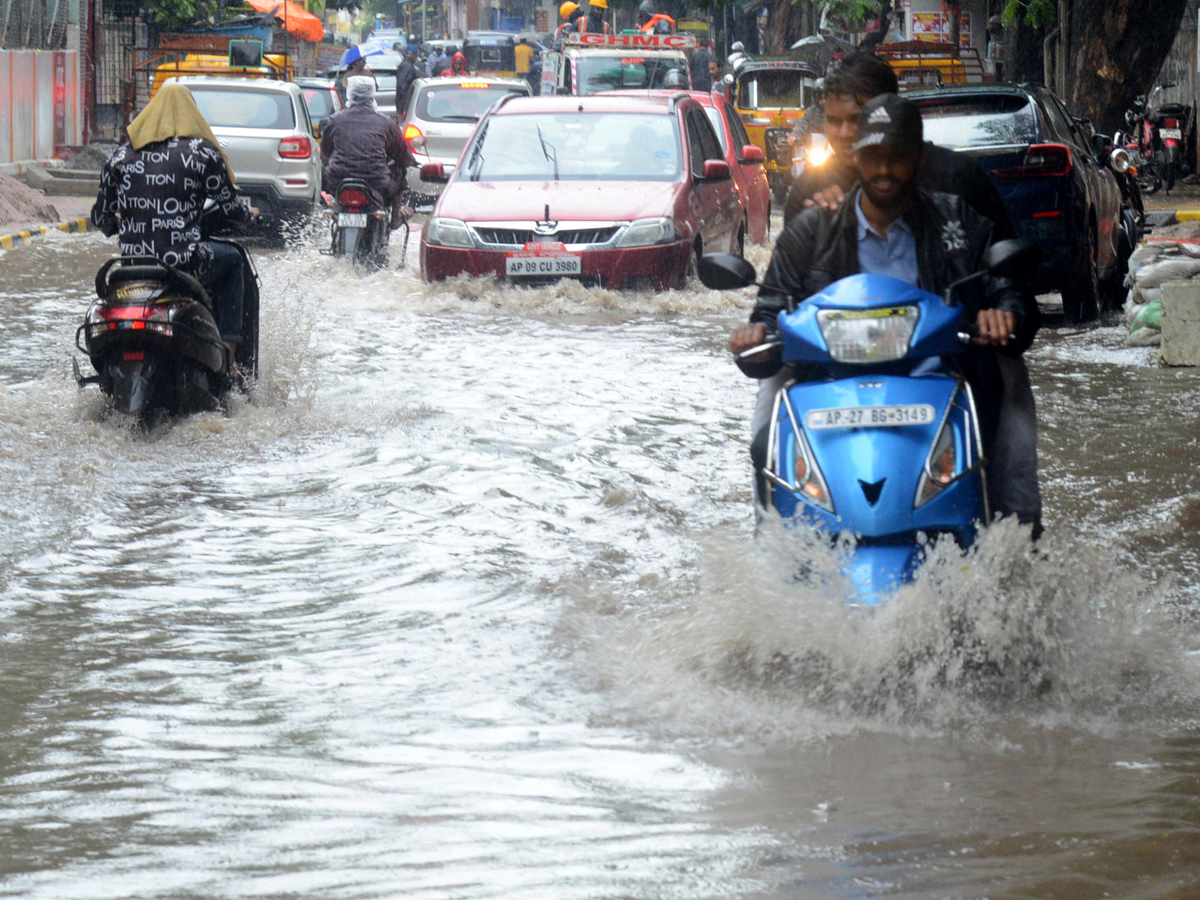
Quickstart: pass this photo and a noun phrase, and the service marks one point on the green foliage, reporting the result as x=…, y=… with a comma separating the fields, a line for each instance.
x=181, y=12
x=1038, y=13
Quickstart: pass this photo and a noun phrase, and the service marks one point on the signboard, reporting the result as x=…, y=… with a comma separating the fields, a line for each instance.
x=935, y=26
x=634, y=41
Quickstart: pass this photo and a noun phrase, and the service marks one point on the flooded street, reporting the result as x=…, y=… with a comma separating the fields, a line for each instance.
x=465, y=603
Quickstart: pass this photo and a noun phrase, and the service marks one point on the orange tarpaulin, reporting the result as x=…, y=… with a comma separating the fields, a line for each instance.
x=296, y=19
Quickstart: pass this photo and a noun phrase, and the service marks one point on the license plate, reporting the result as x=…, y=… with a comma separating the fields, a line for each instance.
x=1175, y=133
x=352, y=220
x=543, y=265
x=870, y=416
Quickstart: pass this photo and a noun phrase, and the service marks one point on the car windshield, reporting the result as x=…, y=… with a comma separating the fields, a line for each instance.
x=224, y=108
x=319, y=102
x=775, y=89
x=605, y=73
x=465, y=102
x=979, y=121
x=575, y=147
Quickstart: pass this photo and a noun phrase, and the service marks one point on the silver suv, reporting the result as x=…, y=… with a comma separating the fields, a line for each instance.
x=441, y=119
x=264, y=128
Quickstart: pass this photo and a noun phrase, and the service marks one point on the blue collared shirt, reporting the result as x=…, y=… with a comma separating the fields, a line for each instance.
x=894, y=255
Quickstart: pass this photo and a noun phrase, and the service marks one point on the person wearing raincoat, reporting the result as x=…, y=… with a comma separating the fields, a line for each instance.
x=152, y=194
x=458, y=67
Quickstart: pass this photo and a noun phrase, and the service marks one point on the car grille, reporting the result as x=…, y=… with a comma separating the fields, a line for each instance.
x=518, y=237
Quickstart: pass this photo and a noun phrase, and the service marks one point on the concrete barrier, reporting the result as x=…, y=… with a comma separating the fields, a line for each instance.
x=1181, y=323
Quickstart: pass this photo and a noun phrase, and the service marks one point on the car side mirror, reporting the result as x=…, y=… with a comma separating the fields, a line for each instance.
x=1013, y=258
x=434, y=173
x=1103, y=145
x=724, y=271
x=716, y=170
x=729, y=79
x=753, y=154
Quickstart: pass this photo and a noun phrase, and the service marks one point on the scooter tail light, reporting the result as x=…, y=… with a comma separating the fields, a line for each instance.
x=296, y=146
x=941, y=467
x=1041, y=161
x=1170, y=123
x=352, y=198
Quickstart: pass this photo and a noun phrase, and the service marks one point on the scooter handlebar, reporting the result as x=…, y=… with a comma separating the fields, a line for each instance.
x=761, y=348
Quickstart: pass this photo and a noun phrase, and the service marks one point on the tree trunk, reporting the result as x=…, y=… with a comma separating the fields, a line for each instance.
x=1117, y=49
x=785, y=24
x=1022, y=53
x=954, y=20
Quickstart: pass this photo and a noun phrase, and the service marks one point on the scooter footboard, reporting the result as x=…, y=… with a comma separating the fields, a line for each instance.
x=884, y=457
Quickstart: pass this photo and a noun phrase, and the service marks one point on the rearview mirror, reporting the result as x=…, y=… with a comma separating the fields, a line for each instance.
x=1014, y=258
x=435, y=173
x=752, y=153
x=724, y=271
x=1102, y=144
x=716, y=170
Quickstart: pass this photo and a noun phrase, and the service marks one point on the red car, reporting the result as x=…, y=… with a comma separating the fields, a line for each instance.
x=620, y=191
x=746, y=161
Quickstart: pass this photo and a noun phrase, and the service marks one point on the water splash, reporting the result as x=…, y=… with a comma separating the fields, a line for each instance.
x=1054, y=634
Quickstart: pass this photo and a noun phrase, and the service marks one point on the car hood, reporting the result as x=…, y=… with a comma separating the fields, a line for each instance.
x=581, y=201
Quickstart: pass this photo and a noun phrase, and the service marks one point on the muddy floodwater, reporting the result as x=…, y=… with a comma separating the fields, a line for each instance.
x=465, y=602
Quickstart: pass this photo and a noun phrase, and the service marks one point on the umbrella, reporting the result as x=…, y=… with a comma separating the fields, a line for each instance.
x=295, y=19
x=822, y=42
x=358, y=51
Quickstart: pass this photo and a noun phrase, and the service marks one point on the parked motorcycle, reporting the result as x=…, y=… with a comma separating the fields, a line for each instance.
x=1159, y=139
x=886, y=443
x=359, y=222
x=153, y=341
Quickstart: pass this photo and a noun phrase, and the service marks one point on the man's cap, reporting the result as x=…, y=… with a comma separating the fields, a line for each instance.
x=891, y=121
x=413, y=49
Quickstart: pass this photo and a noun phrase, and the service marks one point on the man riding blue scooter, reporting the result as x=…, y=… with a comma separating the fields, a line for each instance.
x=889, y=227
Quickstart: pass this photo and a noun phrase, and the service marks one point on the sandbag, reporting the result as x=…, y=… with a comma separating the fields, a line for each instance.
x=1163, y=271
x=1144, y=337
x=1149, y=316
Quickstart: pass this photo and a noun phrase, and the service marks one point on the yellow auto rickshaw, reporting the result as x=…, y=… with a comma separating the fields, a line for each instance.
x=770, y=97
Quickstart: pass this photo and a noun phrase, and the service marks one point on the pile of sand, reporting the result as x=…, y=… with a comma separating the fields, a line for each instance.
x=22, y=205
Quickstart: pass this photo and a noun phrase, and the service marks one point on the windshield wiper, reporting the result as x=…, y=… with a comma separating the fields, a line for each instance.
x=475, y=163
x=547, y=147
x=459, y=118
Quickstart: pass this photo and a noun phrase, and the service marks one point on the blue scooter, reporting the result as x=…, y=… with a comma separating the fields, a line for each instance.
x=883, y=443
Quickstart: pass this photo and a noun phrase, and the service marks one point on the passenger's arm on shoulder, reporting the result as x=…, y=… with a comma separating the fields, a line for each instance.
x=104, y=210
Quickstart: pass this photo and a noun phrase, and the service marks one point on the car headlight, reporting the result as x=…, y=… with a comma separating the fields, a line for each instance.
x=868, y=335
x=448, y=232
x=645, y=232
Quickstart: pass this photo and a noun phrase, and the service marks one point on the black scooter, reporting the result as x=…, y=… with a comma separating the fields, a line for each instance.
x=359, y=225
x=154, y=344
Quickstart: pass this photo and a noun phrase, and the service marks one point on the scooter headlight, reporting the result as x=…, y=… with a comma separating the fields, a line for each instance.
x=448, y=232
x=817, y=155
x=868, y=335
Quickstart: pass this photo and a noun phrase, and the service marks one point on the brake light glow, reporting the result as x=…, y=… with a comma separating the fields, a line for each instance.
x=1171, y=123
x=352, y=198
x=296, y=146
x=473, y=84
x=1041, y=161
x=415, y=138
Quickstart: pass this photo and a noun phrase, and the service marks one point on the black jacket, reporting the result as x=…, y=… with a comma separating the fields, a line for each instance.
x=406, y=74
x=945, y=171
x=817, y=248
x=361, y=142
x=155, y=198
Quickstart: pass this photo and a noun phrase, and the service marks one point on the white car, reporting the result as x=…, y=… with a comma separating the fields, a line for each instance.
x=265, y=130
x=441, y=119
